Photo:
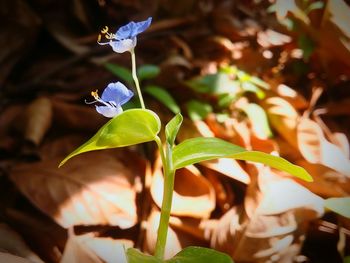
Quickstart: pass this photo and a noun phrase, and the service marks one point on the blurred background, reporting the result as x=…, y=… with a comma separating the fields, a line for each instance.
x=270, y=75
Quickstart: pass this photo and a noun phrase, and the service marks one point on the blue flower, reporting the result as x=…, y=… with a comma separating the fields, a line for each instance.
x=125, y=38
x=114, y=95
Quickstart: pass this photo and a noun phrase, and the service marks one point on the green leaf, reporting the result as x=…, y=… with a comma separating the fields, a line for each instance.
x=195, y=150
x=121, y=72
x=136, y=256
x=248, y=86
x=200, y=255
x=198, y=110
x=163, y=96
x=346, y=259
x=128, y=128
x=225, y=99
x=340, y=205
x=172, y=128
x=214, y=84
x=258, y=118
x=307, y=45
x=147, y=72
x=187, y=255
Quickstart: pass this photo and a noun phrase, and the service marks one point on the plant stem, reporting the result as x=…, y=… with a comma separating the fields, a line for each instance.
x=136, y=80
x=169, y=176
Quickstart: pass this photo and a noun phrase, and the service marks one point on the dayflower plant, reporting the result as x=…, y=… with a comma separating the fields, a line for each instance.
x=137, y=126
x=114, y=95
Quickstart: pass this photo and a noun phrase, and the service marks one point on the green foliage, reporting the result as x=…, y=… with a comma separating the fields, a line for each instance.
x=200, y=255
x=136, y=256
x=128, y=128
x=198, y=110
x=147, y=72
x=195, y=150
x=188, y=255
x=257, y=116
x=307, y=45
x=346, y=259
x=340, y=205
x=163, y=96
x=214, y=84
x=172, y=128
x=121, y=72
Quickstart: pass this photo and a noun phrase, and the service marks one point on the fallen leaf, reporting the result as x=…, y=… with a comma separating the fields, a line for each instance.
x=173, y=244
x=76, y=117
x=37, y=118
x=193, y=194
x=90, y=249
x=228, y=167
x=95, y=188
x=327, y=182
x=270, y=38
x=283, y=118
x=8, y=258
x=315, y=148
x=12, y=243
x=182, y=232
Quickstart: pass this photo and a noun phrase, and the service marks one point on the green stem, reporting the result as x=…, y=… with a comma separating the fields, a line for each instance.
x=134, y=76
x=169, y=177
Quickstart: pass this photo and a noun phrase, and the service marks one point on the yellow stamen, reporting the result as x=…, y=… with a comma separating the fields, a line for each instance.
x=95, y=94
x=104, y=30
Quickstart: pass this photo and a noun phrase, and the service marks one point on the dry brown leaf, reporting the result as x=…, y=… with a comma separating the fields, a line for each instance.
x=193, y=194
x=228, y=167
x=173, y=244
x=94, y=188
x=60, y=146
x=8, y=258
x=290, y=95
x=283, y=117
x=192, y=129
x=182, y=232
x=38, y=119
x=90, y=249
x=264, y=145
x=280, y=195
x=7, y=120
x=76, y=117
x=271, y=229
x=43, y=234
x=12, y=243
x=270, y=38
x=315, y=148
x=342, y=141
x=327, y=182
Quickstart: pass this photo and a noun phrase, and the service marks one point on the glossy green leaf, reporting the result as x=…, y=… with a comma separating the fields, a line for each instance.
x=128, y=128
x=136, y=256
x=340, y=205
x=200, y=255
x=258, y=118
x=172, y=128
x=198, y=110
x=195, y=150
x=163, y=96
x=147, y=72
x=121, y=72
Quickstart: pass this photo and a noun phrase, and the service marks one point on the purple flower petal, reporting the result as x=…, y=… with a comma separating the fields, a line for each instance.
x=109, y=112
x=117, y=93
x=132, y=29
x=120, y=46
